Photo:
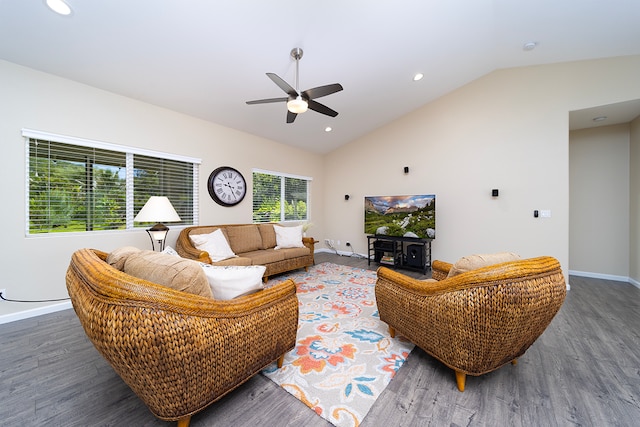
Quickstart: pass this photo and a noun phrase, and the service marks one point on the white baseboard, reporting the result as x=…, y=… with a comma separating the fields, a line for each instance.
x=33, y=312
x=605, y=277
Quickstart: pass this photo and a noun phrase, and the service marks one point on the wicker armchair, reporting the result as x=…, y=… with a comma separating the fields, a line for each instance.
x=179, y=352
x=477, y=321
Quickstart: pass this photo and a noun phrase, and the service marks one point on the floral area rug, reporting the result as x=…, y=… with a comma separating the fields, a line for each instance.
x=344, y=357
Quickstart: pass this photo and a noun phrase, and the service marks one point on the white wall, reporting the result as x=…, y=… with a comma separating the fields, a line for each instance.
x=34, y=267
x=599, y=200
x=506, y=130
x=634, y=202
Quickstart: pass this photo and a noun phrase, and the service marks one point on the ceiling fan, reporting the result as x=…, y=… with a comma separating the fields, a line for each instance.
x=298, y=102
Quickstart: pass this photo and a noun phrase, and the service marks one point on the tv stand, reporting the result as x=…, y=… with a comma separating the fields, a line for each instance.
x=401, y=252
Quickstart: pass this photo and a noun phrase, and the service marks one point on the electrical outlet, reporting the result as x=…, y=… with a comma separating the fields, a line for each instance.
x=338, y=242
x=327, y=242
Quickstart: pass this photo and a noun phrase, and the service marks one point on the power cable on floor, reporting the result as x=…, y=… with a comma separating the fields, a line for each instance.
x=41, y=300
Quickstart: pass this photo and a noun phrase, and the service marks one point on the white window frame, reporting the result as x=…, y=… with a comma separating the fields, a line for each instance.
x=282, y=176
x=29, y=134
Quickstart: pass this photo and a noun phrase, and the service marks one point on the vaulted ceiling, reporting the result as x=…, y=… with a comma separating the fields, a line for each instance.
x=207, y=58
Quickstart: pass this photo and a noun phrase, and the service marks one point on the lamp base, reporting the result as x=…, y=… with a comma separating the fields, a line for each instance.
x=158, y=233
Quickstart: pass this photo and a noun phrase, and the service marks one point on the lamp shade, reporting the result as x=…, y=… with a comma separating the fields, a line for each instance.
x=157, y=209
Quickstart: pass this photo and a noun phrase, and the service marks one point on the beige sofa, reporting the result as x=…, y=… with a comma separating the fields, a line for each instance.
x=253, y=244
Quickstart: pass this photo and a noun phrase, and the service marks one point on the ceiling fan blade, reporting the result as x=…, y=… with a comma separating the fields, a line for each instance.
x=320, y=91
x=283, y=85
x=323, y=109
x=266, y=101
x=291, y=116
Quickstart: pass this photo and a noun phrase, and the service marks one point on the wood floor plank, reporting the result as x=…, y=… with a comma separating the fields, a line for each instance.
x=583, y=371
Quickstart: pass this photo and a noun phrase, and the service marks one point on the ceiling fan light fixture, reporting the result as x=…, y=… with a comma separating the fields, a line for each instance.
x=59, y=7
x=297, y=105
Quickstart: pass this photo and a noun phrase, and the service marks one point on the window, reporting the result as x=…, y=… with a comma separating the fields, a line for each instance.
x=279, y=197
x=77, y=185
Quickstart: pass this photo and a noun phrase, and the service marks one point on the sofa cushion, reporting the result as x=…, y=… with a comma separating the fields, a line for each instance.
x=214, y=243
x=176, y=273
x=473, y=262
x=117, y=257
x=288, y=237
x=233, y=281
x=238, y=260
x=295, y=252
x=265, y=256
x=268, y=236
x=244, y=238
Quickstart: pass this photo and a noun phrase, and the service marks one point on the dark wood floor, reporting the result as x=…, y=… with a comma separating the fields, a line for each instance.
x=583, y=371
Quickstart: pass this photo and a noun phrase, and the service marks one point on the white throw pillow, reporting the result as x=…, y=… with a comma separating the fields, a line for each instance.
x=170, y=251
x=214, y=243
x=228, y=282
x=288, y=237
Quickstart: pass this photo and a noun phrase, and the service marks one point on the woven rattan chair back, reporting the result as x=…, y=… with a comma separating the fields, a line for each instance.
x=178, y=352
x=477, y=321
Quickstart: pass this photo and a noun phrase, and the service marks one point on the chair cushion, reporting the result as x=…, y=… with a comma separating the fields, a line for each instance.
x=215, y=243
x=232, y=281
x=244, y=238
x=117, y=257
x=288, y=237
x=473, y=262
x=174, y=272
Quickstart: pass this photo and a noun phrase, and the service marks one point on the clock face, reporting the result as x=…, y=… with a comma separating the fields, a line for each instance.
x=226, y=186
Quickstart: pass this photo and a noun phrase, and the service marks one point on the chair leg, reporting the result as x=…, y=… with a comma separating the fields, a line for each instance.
x=461, y=377
x=514, y=362
x=280, y=361
x=184, y=422
x=392, y=332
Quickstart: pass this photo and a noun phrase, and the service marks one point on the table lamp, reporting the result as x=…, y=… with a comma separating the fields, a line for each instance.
x=157, y=209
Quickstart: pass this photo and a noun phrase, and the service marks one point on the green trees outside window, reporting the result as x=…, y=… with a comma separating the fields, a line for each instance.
x=74, y=188
x=279, y=198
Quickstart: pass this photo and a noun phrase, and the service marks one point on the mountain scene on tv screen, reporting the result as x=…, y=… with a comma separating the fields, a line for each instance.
x=407, y=216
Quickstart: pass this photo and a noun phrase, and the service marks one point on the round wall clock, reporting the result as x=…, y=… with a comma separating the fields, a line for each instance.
x=226, y=186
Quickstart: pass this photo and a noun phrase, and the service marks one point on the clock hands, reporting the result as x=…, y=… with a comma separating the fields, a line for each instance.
x=226, y=186
x=232, y=188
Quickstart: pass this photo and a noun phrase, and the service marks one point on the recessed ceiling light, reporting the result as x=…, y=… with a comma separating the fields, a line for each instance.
x=599, y=119
x=328, y=129
x=529, y=46
x=59, y=6
x=417, y=77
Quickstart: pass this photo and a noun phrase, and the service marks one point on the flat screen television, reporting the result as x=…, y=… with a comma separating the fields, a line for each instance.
x=407, y=216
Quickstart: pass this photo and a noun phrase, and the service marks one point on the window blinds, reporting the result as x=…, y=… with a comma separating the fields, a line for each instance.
x=79, y=185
